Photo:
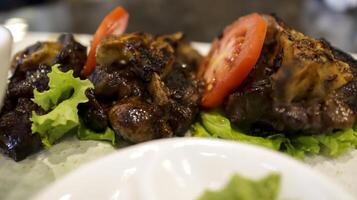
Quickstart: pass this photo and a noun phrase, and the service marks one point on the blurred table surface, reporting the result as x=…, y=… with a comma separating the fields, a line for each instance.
x=200, y=20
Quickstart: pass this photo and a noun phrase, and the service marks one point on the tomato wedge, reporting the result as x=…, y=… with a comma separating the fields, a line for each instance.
x=113, y=23
x=231, y=58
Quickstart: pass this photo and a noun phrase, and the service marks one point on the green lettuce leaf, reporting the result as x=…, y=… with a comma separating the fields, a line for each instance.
x=241, y=188
x=215, y=125
x=64, y=94
x=338, y=143
x=220, y=127
x=199, y=131
x=332, y=144
x=85, y=133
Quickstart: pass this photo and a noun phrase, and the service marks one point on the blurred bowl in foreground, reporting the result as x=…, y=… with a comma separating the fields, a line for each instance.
x=5, y=53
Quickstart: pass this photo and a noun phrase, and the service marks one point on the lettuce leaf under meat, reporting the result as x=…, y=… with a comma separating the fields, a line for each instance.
x=85, y=133
x=215, y=125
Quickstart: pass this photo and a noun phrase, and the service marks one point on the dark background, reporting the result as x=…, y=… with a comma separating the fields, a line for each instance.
x=201, y=20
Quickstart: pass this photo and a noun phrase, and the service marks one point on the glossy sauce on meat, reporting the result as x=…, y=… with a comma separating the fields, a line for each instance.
x=147, y=85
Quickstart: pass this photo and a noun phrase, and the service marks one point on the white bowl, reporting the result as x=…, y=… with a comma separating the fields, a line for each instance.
x=182, y=168
x=5, y=53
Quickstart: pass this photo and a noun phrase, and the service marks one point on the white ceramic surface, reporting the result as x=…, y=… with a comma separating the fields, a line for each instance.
x=182, y=168
x=5, y=46
x=24, y=179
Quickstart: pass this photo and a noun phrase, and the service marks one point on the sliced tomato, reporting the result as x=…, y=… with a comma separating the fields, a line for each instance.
x=114, y=23
x=231, y=58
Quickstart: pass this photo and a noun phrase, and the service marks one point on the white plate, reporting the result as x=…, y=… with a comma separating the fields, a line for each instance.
x=182, y=168
x=24, y=179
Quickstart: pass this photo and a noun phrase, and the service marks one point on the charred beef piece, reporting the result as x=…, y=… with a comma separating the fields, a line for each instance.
x=299, y=85
x=348, y=91
x=23, y=84
x=138, y=121
x=31, y=67
x=66, y=51
x=38, y=53
x=16, y=139
x=150, y=82
x=92, y=113
x=111, y=83
x=72, y=56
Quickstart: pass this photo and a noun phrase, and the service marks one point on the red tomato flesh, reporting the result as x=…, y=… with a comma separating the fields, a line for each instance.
x=231, y=58
x=114, y=23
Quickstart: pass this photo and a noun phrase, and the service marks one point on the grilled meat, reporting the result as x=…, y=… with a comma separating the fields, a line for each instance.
x=92, y=113
x=139, y=121
x=16, y=139
x=147, y=85
x=299, y=85
x=111, y=84
x=66, y=51
x=31, y=67
x=23, y=84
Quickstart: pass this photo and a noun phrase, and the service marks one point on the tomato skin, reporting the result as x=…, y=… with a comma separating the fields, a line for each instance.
x=113, y=23
x=231, y=58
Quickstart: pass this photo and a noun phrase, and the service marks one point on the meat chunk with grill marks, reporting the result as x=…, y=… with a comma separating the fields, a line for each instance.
x=298, y=85
x=150, y=83
x=65, y=51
